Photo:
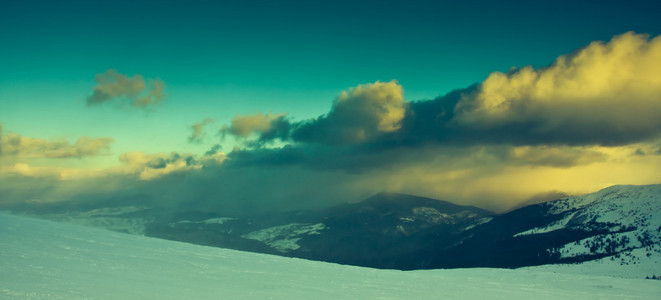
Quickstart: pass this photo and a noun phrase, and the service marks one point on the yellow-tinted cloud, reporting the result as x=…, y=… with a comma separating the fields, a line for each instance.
x=143, y=165
x=245, y=126
x=358, y=115
x=558, y=156
x=609, y=88
x=19, y=146
x=112, y=85
x=480, y=176
x=381, y=103
x=151, y=166
x=586, y=122
x=26, y=170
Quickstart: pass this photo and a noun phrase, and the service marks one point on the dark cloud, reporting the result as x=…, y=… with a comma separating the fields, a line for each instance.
x=213, y=150
x=639, y=152
x=550, y=119
x=360, y=115
x=111, y=86
x=493, y=144
x=150, y=166
x=604, y=94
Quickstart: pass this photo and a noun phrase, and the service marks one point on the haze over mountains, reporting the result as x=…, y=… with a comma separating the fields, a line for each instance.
x=619, y=226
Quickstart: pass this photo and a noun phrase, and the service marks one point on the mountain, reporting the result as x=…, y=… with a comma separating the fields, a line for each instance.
x=382, y=231
x=620, y=223
x=619, y=226
x=46, y=260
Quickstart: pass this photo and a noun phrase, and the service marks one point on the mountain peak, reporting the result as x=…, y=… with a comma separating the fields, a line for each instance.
x=391, y=200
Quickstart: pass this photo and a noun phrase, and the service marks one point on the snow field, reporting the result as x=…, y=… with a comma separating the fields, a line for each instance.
x=46, y=260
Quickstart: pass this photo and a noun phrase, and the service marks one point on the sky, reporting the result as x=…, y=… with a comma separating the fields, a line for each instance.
x=260, y=105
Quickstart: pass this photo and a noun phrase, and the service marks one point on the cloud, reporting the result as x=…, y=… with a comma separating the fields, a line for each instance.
x=60, y=173
x=1, y=138
x=265, y=127
x=474, y=175
x=113, y=86
x=19, y=146
x=558, y=156
x=151, y=166
x=606, y=94
x=577, y=118
x=359, y=115
x=196, y=136
x=570, y=127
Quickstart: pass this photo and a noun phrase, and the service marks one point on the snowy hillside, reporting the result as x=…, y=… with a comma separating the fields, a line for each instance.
x=45, y=260
x=625, y=222
x=613, y=231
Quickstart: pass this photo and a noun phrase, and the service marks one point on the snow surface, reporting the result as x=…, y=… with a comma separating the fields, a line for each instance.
x=219, y=221
x=630, y=219
x=109, y=218
x=629, y=264
x=46, y=260
x=284, y=238
x=551, y=227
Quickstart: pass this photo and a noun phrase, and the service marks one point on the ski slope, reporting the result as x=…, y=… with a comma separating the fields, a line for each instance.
x=45, y=260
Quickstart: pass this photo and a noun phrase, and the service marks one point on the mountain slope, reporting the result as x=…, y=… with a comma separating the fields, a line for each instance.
x=46, y=260
x=619, y=223
x=382, y=231
x=626, y=218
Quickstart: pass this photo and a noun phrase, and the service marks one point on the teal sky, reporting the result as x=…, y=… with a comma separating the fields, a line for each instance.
x=220, y=58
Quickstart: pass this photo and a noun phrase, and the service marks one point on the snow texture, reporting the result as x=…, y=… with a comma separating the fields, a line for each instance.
x=46, y=260
x=627, y=223
x=629, y=264
x=112, y=218
x=284, y=238
x=551, y=227
x=218, y=221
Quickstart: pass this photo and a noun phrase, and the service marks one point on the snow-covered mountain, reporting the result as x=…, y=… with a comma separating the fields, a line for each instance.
x=46, y=260
x=619, y=225
x=626, y=226
x=623, y=218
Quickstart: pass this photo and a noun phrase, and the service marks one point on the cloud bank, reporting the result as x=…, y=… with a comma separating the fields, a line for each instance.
x=587, y=121
x=606, y=93
x=14, y=145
